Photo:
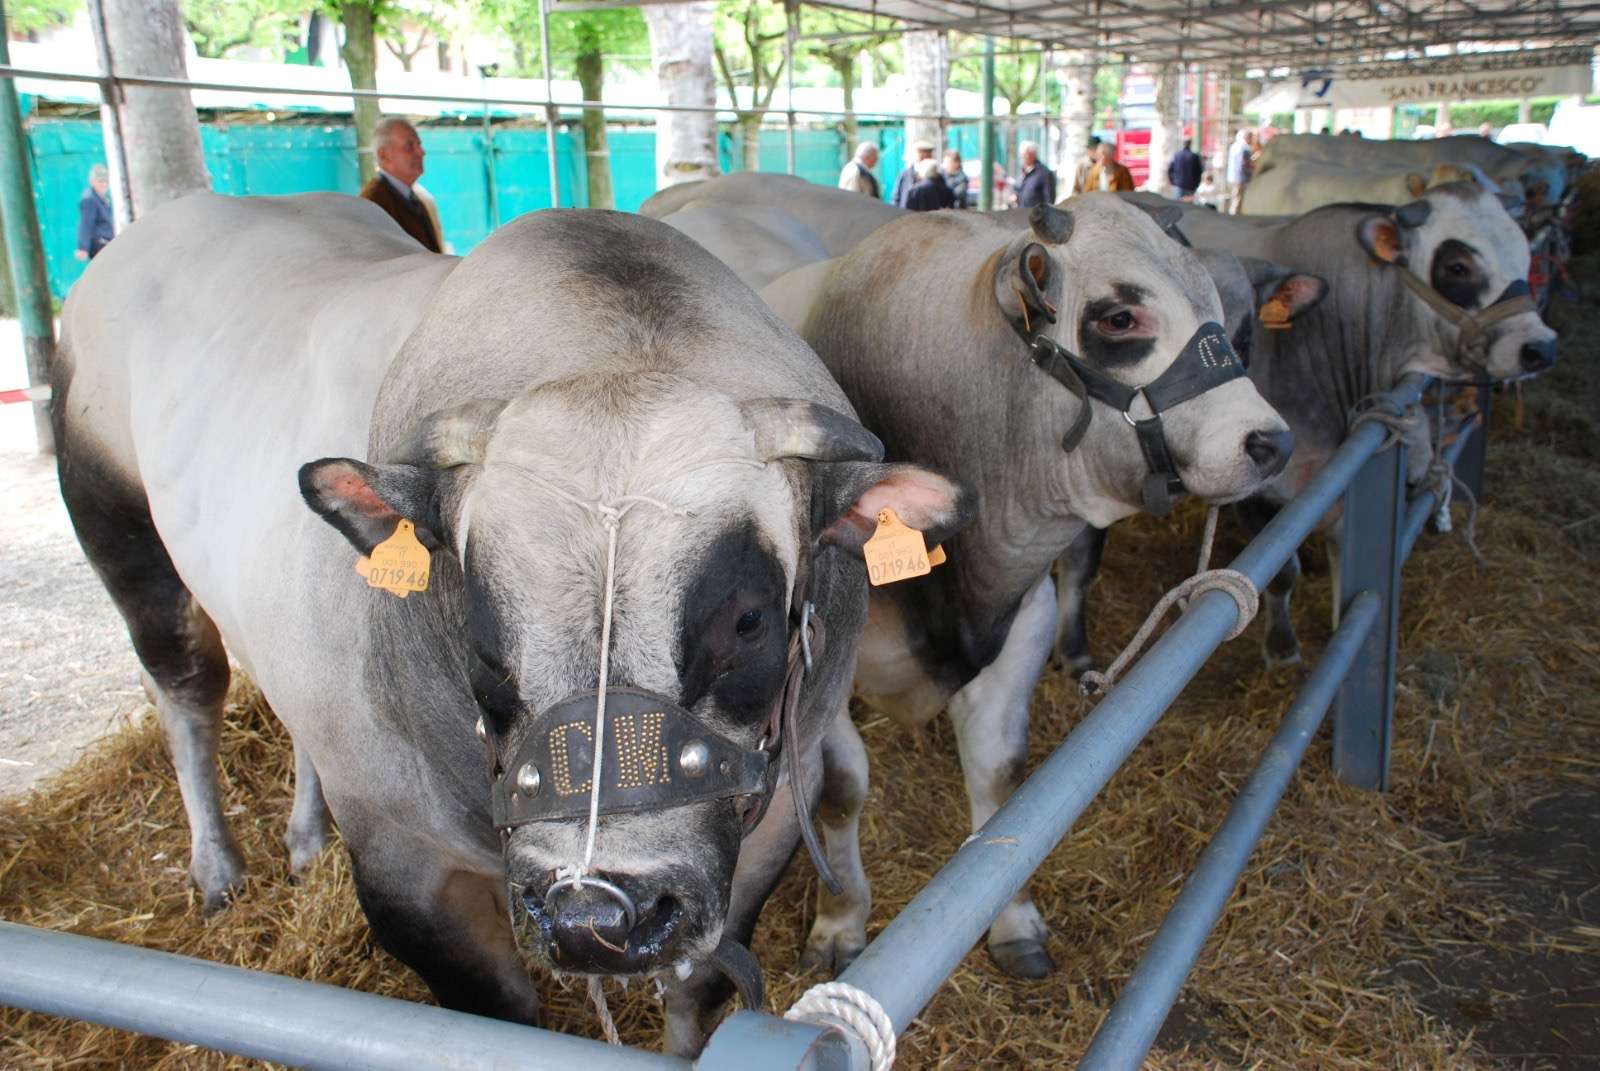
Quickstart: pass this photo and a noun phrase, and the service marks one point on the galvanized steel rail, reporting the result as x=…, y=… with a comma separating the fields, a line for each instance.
x=312, y=1025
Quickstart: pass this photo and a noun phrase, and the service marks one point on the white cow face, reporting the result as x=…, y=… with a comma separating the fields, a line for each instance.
x=715, y=507
x=1127, y=299
x=1462, y=243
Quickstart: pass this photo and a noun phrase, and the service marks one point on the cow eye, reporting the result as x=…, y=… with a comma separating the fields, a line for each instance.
x=1117, y=323
x=751, y=625
x=1458, y=269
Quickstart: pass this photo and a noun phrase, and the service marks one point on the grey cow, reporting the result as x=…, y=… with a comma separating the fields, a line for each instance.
x=1371, y=329
x=596, y=431
x=933, y=325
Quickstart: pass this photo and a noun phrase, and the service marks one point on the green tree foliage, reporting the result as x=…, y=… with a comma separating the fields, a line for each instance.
x=28, y=17
x=749, y=52
x=843, y=57
x=218, y=27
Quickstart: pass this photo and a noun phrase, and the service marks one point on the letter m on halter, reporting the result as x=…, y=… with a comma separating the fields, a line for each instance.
x=641, y=753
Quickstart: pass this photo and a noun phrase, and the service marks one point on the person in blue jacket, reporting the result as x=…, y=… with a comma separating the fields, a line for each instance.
x=95, y=226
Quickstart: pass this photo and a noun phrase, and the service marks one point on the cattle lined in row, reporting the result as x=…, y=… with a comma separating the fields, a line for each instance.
x=552, y=557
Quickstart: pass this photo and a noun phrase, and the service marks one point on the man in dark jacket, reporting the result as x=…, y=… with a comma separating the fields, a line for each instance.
x=955, y=178
x=930, y=192
x=908, y=177
x=1184, y=172
x=95, y=226
x=399, y=154
x=1037, y=183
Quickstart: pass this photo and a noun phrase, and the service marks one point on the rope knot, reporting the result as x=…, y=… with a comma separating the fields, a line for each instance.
x=835, y=1003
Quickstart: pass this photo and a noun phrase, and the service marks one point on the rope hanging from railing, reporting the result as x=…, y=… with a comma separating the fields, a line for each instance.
x=833, y=1003
x=1238, y=587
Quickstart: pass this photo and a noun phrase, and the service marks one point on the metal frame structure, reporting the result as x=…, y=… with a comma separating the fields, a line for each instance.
x=312, y=1025
x=1253, y=32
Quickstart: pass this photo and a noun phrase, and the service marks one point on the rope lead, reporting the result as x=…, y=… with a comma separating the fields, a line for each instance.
x=833, y=1003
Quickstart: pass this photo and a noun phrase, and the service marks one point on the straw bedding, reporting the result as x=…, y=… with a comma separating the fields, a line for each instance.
x=1349, y=898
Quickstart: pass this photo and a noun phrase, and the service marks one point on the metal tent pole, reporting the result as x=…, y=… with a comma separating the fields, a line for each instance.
x=550, y=106
x=791, y=15
x=986, y=130
x=25, y=248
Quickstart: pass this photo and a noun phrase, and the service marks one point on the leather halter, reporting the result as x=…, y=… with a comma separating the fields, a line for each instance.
x=1206, y=361
x=1472, y=340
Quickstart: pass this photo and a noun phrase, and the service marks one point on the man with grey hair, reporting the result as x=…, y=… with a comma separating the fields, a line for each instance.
x=1037, y=183
x=399, y=154
x=95, y=227
x=857, y=176
x=908, y=177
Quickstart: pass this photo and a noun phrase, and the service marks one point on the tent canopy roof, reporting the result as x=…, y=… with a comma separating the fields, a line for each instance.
x=1252, y=32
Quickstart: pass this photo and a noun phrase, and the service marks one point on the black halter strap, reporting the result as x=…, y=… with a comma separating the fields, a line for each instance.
x=1206, y=362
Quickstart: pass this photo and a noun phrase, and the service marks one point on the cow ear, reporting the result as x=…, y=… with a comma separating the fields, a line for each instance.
x=365, y=502
x=847, y=497
x=1416, y=185
x=1022, y=282
x=1380, y=236
x=1283, y=300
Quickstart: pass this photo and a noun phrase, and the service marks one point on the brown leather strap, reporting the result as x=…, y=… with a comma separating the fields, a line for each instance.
x=793, y=763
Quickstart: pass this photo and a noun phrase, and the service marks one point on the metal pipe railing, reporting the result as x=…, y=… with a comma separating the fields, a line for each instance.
x=270, y=1017
x=1131, y=1027
x=916, y=952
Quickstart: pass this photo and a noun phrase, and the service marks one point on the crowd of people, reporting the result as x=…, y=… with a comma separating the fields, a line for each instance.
x=926, y=184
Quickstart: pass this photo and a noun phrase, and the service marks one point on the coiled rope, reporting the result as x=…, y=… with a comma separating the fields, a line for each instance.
x=856, y=1009
x=1230, y=582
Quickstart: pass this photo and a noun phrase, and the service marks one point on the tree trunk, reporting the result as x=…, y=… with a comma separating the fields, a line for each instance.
x=750, y=134
x=160, y=132
x=360, y=52
x=591, y=74
x=680, y=52
x=852, y=129
x=1167, y=133
x=1077, y=115
x=925, y=70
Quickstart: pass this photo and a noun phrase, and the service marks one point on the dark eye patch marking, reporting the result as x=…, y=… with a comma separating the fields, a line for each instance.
x=1457, y=273
x=733, y=641
x=494, y=687
x=1112, y=352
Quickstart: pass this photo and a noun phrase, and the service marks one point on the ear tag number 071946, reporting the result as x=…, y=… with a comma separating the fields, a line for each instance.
x=896, y=552
x=398, y=565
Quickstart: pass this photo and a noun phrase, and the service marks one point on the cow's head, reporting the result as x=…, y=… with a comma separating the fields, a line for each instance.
x=1466, y=262
x=718, y=509
x=1129, y=302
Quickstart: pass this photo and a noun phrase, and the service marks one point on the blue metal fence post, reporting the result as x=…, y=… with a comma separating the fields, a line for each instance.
x=1470, y=468
x=1370, y=560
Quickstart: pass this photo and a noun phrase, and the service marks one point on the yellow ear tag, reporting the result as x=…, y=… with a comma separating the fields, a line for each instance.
x=895, y=552
x=1275, y=314
x=936, y=556
x=399, y=565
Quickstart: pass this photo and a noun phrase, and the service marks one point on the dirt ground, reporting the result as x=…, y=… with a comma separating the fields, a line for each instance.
x=1451, y=923
x=67, y=674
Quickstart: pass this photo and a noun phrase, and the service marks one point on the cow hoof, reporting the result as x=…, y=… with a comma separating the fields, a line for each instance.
x=832, y=954
x=1076, y=665
x=304, y=847
x=219, y=875
x=1023, y=958
x=1276, y=660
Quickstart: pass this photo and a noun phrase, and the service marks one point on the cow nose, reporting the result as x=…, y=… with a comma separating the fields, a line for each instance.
x=590, y=922
x=1270, y=450
x=1537, y=356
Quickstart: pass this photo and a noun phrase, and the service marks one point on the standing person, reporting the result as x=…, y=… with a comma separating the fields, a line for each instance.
x=955, y=178
x=1037, y=183
x=930, y=192
x=908, y=177
x=1107, y=173
x=95, y=227
x=1091, y=155
x=1241, y=163
x=399, y=153
x=857, y=176
x=1184, y=172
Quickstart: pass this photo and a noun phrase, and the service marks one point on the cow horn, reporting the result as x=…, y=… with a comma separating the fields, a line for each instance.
x=458, y=435
x=791, y=427
x=1414, y=214
x=1167, y=217
x=1050, y=223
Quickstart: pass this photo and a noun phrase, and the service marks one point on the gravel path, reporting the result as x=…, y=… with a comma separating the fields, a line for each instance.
x=67, y=673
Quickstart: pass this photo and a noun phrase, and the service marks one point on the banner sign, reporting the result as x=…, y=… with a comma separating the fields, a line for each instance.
x=1554, y=72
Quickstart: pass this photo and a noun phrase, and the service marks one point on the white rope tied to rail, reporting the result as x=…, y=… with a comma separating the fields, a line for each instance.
x=1230, y=582
x=856, y=1009
x=1440, y=479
